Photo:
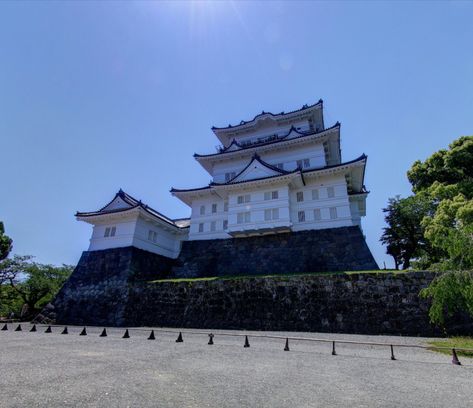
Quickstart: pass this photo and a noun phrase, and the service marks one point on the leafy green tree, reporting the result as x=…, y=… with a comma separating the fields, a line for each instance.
x=5, y=243
x=33, y=283
x=451, y=292
x=404, y=235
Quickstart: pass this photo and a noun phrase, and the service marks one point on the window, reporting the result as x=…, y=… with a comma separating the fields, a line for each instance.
x=110, y=232
x=330, y=192
x=301, y=216
x=300, y=196
x=201, y=227
x=271, y=195
x=202, y=210
x=333, y=213
x=214, y=208
x=243, y=217
x=225, y=206
x=213, y=226
x=315, y=194
x=229, y=176
x=225, y=224
x=303, y=163
x=317, y=214
x=243, y=199
x=152, y=236
x=271, y=214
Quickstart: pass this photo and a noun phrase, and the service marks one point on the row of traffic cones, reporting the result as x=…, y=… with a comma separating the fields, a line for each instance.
x=180, y=339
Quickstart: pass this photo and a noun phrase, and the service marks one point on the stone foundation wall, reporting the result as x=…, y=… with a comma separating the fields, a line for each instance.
x=359, y=303
x=335, y=249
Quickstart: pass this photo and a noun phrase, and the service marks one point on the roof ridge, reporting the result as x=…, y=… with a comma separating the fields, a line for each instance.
x=243, y=122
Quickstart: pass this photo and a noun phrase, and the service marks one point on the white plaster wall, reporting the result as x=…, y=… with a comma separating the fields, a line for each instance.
x=339, y=201
x=315, y=153
x=257, y=206
x=123, y=236
x=167, y=243
x=207, y=218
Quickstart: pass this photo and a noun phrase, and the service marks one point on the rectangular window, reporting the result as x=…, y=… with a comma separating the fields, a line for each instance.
x=213, y=226
x=333, y=213
x=267, y=195
x=330, y=192
x=317, y=214
x=271, y=214
x=243, y=199
x=112, y=231
x=107, y=232
x=152, y=236
x=229, y=176
x=214, y=208
x=275, y=195
x=315, y=194
x=201, y=227
x=299, y=163
x=300, y=196
x=301, y=216
x=271, y=195
x=243, y=217
x=306, y=163
x=202, y=210
x=225, y=206
x=225, y=224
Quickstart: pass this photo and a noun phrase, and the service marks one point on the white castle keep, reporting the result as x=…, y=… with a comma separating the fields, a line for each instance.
x=275, y=173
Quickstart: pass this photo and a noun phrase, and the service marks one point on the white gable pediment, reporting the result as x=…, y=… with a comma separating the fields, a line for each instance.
x=256, y=170
x=117, y=204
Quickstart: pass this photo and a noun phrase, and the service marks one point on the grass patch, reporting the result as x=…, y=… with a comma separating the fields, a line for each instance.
x=278, y=276
x=454, y=342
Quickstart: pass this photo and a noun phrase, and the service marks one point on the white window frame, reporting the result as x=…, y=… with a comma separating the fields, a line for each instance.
x=333, y=213
x=317, y=214
x=202, y=210
x=330, y=192
x=301, y=216
x=300, y=196
x=225, y=225
x=201, y=227
x=315, y=194
x=213, y=226
x=214, y=208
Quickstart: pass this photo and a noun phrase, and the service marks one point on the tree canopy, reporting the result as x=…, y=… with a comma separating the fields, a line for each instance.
x=5, y=243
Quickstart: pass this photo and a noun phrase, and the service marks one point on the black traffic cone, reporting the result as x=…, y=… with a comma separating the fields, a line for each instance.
x=65, y=331
x=126, y=335
x=18, y=328
x=83, y=332
x=392, y=353
x=334, y=353
x=179, y=338
x=211, y=339
x=48, y=330
x=286, y=347
x=33, y=329
x=151, y=336
x=455, y=359
x=247, y=343
x=5, y=327
x=104, y=333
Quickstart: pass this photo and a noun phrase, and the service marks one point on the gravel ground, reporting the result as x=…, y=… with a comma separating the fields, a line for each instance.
x=53, y=370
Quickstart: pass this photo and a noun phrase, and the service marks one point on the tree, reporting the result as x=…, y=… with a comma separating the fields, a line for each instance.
x=33, y=283
x=5, y=243
x=404, y=235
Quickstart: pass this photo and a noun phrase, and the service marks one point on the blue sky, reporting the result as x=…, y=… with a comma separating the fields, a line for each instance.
x=95, y=96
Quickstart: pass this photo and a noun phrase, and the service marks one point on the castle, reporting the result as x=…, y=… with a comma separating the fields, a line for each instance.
x=275, y=174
